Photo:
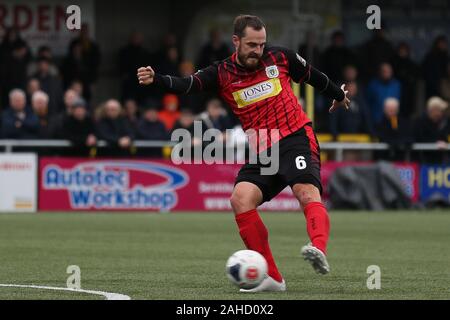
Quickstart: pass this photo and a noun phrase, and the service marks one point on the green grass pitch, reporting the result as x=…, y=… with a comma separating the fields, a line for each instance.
x=182, y=255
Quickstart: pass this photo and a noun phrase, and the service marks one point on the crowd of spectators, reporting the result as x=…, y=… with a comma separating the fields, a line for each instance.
x=45, y=98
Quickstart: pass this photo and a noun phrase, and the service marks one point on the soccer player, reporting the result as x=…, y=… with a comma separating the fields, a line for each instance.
x=255, y=82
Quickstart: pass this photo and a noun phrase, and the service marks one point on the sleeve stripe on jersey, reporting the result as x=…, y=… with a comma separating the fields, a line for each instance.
x=308, y=73
x=199, y=80
x=191, y=78
x=170, y=81
x=328, y=82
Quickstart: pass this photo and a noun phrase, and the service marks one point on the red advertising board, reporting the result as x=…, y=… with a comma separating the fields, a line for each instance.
x=154, y=185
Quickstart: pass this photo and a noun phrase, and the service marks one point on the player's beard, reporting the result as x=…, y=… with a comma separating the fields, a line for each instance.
x=244, y=60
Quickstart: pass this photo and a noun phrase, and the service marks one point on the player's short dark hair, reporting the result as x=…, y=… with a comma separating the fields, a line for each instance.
x=243, y=21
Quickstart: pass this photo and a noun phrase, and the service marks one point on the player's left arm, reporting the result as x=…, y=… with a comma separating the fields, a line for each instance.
x=302, y=71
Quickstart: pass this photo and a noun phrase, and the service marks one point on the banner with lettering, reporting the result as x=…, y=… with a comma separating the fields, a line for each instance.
x=435, y=183
x=159, y=185
x=43, y=22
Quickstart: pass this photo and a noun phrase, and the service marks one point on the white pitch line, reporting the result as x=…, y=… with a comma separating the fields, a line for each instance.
x=107, y=295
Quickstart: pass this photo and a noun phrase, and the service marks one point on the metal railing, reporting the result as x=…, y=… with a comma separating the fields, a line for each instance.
x=338, y=147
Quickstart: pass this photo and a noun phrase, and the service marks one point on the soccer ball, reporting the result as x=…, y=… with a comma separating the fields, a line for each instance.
x=246, y=268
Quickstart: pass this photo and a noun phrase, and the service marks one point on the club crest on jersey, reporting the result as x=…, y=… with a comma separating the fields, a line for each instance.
x=272, y=72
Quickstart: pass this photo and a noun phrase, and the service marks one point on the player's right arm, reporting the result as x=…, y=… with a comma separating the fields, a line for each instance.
x=203, y=80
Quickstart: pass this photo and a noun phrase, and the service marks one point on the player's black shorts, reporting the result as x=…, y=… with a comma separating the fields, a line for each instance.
x=299, y=163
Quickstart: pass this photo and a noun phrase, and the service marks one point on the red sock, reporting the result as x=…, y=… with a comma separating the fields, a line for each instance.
x=255, y=236
x=317, y=224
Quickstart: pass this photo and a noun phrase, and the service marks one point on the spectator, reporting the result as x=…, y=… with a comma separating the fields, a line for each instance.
x=14, y=69
x=89, y=54
x=215, y=116
x=77, y=86
x=356, y=119
x=394, y=130
x=435, y=66
x=19, y=122
x=33, y=85
x=113, y=128
x=170, y=113
x=374, y=52
x=169, y=62
x=39, y=104
x=445, y=85
x=11, y=40
x=408, y=72
x=214, y=50
x=433, y=127
x=74, y=68
x=79, y=128
x=131, y=57
x=131, y=112
x=187, y=122
x=310, y=50
x=336, y=57
x=46, y=53
x=351, y=74
x=150, y=127
x=169, y=40
x=381, y=88
x=50, y=84
x=57, y=120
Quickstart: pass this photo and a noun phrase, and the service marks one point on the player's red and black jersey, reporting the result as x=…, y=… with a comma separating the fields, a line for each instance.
x=260, y=98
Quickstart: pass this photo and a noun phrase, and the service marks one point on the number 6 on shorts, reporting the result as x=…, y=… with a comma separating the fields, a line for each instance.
x=300, y=162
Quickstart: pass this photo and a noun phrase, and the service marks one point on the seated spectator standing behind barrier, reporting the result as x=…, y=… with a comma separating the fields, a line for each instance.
x=434, y=65
x=336, y=57
x=131, y=56
x=19, y=122
x=33, y=85
x=170, y=113
x=13, y=72
x=39, y=104
x=214, y=50
x=354, y=120
x=151, y=128
x=50, y=84
x=434, y=126
x=381, y=88
x=131, y=113
x=445, y=85
x=395, y=131
x=371, y=54
x=113, y=128
x=215, y=116
x=90, y=59
x=43, y=52
x=187, y=122
x=79, y=129
x=57, y=121
x=407, y=72
x=12, y=49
